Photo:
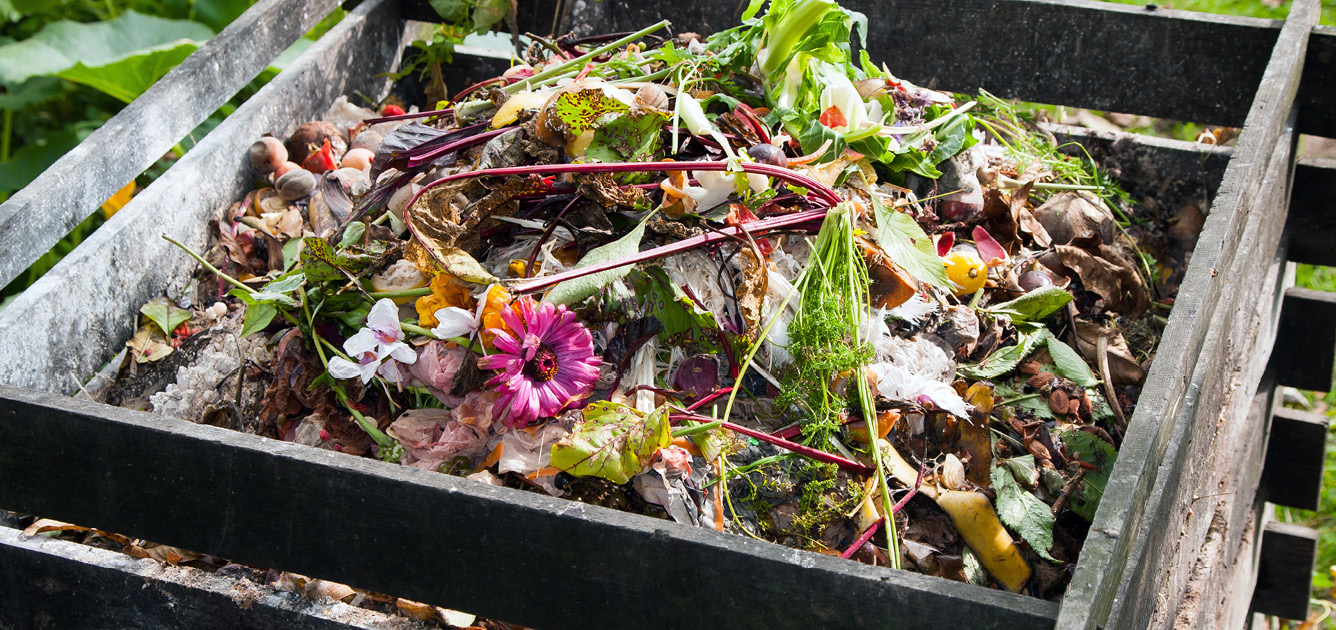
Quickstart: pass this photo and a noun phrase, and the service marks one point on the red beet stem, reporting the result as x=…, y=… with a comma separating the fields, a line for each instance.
x=773, y=223
x=867, y=535
x=709, y=398
x=419, y=160
x=805, y=451
x=434, y=112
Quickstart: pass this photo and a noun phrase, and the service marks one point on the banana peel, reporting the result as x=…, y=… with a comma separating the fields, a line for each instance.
x=974, y=517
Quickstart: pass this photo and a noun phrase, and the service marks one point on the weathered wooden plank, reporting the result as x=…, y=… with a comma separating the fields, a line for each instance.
x=1311, y=228
x=1305, y=351
x=38, y=216
x=550, y=563
x=125, y=263
x=1295, y=456
x=1136, y=514
x=46, y=583
x=1285, y=574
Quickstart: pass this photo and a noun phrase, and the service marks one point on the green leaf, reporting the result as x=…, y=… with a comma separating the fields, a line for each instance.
x=264, y=297
x=62, y=45
x=1033, y=306
x=258, y=316
x=31, y=159
x=1069, y=365
x=1093, y=450
x=451, y=11
x=352, y=234
x=488, y=13
x=286, y=283
x=165, y=314
x=905, y=242
x=1023, y=469
x=580, y=110
x=612, y=441
x=127, y=78
x=291, y=250
x=628, y=138
x=577, y=289
x=685, y=324
x=1023, y=512
x=1006, y=359
x=31, y=92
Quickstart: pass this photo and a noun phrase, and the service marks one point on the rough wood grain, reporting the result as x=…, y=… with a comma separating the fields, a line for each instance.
x=38, y=216
x=81, y=312
x=46, y=583
x=1305, y=351
x=1311, y=228
x=522, y=557
x=1295, y=455
x=1285, y=576
x=1141, y=514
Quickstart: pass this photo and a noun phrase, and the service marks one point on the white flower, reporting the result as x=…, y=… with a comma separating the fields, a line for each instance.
x=455, y=322
x=381, y=339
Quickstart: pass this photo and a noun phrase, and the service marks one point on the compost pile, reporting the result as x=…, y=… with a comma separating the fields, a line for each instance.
x=750, y=282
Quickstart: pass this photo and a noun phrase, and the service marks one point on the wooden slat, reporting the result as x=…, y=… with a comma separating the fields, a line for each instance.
x=1305, y=351
x=505, y=554
x=46, y=583
x=1223, y=306
x=38, y=216
x=1144, y=164
x=1285, y=574
x=85, y=308
x=1296, y=454
x=1311, y=228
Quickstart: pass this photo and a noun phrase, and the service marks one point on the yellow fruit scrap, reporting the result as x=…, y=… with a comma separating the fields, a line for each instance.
x=967, y=271
x=444, y=292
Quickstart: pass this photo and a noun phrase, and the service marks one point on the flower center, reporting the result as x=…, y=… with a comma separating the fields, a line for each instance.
x=386, y=334
x=543, y=366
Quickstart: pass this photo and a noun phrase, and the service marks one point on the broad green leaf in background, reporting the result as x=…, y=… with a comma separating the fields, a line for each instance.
x=578, y=289
x=1093, y=450
x=166, y=315
x=31, y=159
x=127, y=78
x=451, y=10
x=489, y=12
x=63, y=45
x=612, y=441
x=1023, y=512
x=31, y=92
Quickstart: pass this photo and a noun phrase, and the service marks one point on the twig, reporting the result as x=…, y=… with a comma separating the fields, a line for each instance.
x=1067, y=490
x=1103, y=351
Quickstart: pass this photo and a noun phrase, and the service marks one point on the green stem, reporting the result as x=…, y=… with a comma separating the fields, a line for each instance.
x=6, y=135
x=578, y=62
x=387, y=446
x=200, y=259
x=418, y=292
x=699, y=428
x=417, y=330
x=1012, y=401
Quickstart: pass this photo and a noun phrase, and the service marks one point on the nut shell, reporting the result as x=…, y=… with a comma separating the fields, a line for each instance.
x=651, y=95
x=295, y=184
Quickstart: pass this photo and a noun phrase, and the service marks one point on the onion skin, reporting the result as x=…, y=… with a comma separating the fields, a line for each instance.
x=767, y=153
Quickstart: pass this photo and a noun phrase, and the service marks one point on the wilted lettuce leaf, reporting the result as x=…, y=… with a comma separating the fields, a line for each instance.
x=612, y=441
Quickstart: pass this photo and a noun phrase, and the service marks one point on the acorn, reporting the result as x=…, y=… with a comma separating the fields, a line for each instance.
x=268, y=154
x=651, y=95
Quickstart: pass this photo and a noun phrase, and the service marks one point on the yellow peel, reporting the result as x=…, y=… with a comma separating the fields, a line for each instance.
x=978, y=525
x=509, y=111
x=976, y=521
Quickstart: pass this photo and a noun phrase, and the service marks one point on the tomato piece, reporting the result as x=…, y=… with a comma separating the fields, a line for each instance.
x=833, y=118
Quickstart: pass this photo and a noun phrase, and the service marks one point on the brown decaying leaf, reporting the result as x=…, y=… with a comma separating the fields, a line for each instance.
x=1123, y=367
x=751, y=292
x=1097, y=275
x=602, y=188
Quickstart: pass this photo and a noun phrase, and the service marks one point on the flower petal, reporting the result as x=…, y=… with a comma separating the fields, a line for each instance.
x=362, y=342
x=454, y=322
x=383, y=314
x=400, y=352
x=342, y=368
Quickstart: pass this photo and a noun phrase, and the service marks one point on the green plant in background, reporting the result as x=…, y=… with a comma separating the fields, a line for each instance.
x=459, y=19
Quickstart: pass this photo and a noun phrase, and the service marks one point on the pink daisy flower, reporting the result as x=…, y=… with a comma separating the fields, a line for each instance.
x=547, y=362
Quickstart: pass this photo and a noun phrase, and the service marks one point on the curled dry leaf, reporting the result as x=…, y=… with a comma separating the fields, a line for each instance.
x=1123, y=368
x=1072, y=215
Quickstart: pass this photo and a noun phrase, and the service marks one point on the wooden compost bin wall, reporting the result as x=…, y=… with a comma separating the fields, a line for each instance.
x=371, y=524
